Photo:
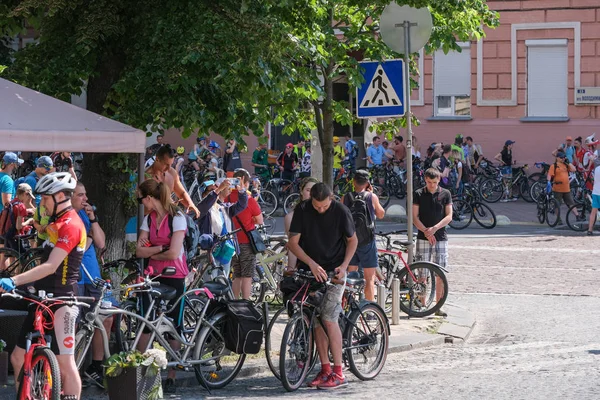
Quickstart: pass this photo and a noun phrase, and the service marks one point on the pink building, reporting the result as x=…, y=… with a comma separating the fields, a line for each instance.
x=520, y=82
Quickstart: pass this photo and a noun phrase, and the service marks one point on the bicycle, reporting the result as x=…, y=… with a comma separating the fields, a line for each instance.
x=269, y=267
x=467, y=207
x=492, y=189
x=580, y=222
x=548, y=208
x=365, y=332
x=17, y=262
x=419, y=295
x=40, y=376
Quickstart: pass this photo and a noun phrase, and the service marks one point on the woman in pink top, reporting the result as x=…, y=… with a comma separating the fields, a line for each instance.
x=161, y=242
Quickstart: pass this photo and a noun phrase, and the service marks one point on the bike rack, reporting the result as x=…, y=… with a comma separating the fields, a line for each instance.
x=395, y=301
x=381, y=295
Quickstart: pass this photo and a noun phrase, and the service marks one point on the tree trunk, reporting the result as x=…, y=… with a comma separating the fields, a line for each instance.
x=326, y=137
x=106, y=176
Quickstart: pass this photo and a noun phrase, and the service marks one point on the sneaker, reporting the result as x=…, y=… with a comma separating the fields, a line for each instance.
x=503, y=200
x=319, y=379
x=515, y=198
x=95, y=376
x=441, y=313
x=169, y=386
x=590, y=233
x=334, y=381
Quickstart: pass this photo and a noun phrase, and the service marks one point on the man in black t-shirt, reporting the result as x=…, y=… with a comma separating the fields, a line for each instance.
x=64, y=163
x=288, y=161
x=322, y=237
x=432, y=211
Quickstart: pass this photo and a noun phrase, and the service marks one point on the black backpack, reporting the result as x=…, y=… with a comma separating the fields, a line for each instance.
x=244, y=327
x=363, y=221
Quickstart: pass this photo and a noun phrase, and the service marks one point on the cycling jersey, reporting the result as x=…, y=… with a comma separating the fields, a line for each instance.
x=67, y=232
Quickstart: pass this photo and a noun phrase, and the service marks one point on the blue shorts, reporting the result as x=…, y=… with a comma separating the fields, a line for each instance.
x=596, y=200
x=366, y=256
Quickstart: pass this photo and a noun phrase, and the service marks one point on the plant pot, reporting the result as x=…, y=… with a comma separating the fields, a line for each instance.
x=3, y=368
x=133, y=383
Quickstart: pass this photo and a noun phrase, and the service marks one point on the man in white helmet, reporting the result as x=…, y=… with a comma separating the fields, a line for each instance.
x=58, y=274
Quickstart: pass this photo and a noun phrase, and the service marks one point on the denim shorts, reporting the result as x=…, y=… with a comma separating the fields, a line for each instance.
x=365, y=256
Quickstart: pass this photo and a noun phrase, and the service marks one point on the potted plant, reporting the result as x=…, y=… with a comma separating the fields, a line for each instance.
x=133, y=375
x=3, y=363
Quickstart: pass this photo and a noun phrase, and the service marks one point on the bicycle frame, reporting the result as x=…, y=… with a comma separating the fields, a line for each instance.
x=39, y=334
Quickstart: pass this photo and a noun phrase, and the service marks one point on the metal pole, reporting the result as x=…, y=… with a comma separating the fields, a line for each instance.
x=395, y=301
x=409, y=163
x=381, y=296
x=351, y=126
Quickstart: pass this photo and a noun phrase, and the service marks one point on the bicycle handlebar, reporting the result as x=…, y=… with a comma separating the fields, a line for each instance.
x=398, y=232
x=83, y=301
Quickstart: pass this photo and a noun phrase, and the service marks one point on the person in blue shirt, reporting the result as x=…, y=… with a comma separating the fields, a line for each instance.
x=96, y=239
x=7, y=185
x=375, y=157
x=43, y=167
x=567, y=148
x=351, y=149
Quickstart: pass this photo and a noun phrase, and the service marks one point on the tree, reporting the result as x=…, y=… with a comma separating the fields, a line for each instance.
x=332, y=36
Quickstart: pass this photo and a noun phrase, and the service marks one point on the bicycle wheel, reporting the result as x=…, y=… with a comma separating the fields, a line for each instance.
x=537, y=190
x=259, y=290
x=462, y=214
x=267, y=202
x=44, y=376
x=366, y=341
x=484, y=215
x=552, y=212
x=126, y=326
x=526, y=191
x=192, y=310
x=491, y=190
x=421, y=296
x=273, y=338
x=578, y=224
x=83, y=340
x=290, y=202
x=383, y=194
x=296, y=352
x=396, y=187
x=220, y=366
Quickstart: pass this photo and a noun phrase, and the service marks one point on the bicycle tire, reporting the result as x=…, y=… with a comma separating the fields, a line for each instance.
x=426, y=270
x=573, y=223
x=537, y=190
x=268, y=202
x=382, y=193
x=526, y=191
x=491, y=190
x=50, y=390
x=83, y=340
x=552, y=209
x=211, y=340
x=192, y=309
x=126, y=326
x=354, y=336
x=290, y=202
x=273, y=337
x=303, y=348
x=396, y=187
x=462, y=214
x=482, y=213
x=259, y=291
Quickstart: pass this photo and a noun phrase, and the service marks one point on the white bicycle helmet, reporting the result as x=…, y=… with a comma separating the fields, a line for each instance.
x=590, y=140
x=55, y=182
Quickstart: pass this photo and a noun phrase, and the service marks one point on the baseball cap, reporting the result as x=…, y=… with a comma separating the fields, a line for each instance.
x=289, y=145
x=336, y=139
x=10, y=158
x=45, y=162
x=509, y=142
x=24, y=187
x=569, y=138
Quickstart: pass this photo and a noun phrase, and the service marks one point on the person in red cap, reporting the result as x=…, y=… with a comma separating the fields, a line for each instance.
x=289, y=162
x=567, y=148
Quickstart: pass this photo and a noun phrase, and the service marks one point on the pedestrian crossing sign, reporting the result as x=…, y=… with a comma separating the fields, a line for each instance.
x=382, y=92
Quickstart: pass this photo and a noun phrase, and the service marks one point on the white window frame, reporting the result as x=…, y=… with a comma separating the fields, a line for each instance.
x=463, y=46
x=549, y=43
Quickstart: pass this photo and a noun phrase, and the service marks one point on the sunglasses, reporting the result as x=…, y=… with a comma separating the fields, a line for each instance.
x=140, y=199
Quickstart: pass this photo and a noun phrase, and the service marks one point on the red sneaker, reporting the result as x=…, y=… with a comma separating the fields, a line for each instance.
x=334, y=381
x=320, y=378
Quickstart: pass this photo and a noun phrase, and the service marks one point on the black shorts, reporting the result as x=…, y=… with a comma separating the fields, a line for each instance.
x=177, y=314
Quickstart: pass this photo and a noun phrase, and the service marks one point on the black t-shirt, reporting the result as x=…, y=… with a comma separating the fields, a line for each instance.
x=506, y=156
x=432, y=209
x=323, y=236
x=288, y=161
x=62, y=164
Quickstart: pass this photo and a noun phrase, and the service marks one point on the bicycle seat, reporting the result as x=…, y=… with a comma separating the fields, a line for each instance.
x=165, y=292
x=354, y=279
x=216, y=288
x=402, y=243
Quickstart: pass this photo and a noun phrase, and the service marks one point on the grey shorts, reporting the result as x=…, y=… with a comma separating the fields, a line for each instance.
x=567, y=198
x=244, y=264
x=437, y=253
x=331, y=307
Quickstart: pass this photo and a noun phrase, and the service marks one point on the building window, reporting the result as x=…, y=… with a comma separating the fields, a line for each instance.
x=452, y=82
x=547, y=74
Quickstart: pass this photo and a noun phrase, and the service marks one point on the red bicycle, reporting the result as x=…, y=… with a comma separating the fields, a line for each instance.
x=39, y=378
x=423, y=284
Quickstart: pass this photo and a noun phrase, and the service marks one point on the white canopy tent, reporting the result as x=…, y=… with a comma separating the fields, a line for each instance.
x=32, y=121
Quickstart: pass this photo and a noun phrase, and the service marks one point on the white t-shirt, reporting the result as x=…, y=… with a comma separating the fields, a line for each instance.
x=596, y=181
x=589, y=157
x=179, y=224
